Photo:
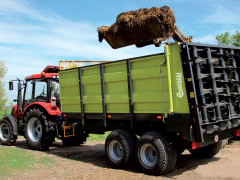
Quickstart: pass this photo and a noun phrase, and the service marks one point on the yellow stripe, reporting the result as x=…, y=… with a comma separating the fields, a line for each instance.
x=169, y=77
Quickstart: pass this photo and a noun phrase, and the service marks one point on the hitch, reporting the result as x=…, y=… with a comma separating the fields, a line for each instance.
x=67, y=128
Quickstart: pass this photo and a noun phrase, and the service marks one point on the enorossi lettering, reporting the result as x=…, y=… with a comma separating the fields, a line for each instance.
x=179, y=85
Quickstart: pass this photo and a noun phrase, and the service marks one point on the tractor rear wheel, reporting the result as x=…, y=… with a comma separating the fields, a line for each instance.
x=6, y=133
x=39, y=133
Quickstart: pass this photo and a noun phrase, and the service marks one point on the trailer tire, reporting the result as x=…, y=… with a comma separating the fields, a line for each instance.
x=38, y=132
x=207, y=151
x=6, y=133
x=155, y=153
x=120, y=148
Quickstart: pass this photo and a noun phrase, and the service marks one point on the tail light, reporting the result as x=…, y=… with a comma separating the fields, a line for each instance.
x=195, y=145
x=237, y=132
x=53, y=103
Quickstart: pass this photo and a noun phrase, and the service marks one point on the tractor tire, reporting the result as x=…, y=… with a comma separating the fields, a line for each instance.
x=207, y=151
x=39, y=133
x=155, y=153
x=6, y=133
x=119, y=148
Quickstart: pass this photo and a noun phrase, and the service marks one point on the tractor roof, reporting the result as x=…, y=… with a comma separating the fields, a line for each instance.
x=51, y=69
x=48, y=72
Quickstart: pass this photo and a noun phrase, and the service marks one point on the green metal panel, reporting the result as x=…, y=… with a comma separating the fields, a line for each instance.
x=69, y=91
x=153, y=92
x=92, y=94
x=147, y=97
x=180, y=101
x=116, y=87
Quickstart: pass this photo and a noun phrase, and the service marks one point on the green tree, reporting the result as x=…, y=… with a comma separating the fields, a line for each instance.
x=227, y=39
x=3, y=94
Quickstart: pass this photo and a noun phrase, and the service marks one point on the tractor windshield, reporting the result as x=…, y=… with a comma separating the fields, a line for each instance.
x=55, y=92
x=40, y=90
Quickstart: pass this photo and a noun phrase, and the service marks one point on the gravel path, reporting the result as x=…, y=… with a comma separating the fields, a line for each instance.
x=89, y=162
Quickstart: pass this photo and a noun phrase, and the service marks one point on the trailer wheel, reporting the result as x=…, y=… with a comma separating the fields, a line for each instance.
x=155, y=153
x=6, y=133
x=39, y=133
x=207, y=151
x=119, y=148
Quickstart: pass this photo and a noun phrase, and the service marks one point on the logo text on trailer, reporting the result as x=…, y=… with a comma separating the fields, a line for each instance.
x=179, y=85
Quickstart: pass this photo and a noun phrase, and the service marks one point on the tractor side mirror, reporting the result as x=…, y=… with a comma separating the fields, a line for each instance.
x=10, y=85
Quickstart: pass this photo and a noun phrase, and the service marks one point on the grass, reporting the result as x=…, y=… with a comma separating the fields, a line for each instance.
x=98, y=137
x=13, y=160
x=3, y=113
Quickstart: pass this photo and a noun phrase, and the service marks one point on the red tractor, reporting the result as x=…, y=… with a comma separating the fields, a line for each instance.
x=37, y=114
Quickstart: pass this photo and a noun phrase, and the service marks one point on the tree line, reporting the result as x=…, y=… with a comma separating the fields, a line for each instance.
x=3, y=94
x=227, y=39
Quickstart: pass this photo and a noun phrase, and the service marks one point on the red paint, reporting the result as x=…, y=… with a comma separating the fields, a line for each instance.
x=48, y=72
x=15, y=111
x=47, y=107
x=195, y=145
x=49, y=67
x=37, y=76
x=237, y=132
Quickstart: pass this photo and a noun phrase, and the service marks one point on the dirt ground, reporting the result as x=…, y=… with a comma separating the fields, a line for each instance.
x=89, y=162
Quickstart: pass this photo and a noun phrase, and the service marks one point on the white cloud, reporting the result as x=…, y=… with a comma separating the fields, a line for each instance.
x=210, y=38
x=222, y=15
x=31, y=39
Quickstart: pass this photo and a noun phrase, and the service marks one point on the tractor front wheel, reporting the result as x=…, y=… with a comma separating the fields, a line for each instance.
x=39, y=132
x=6, y=133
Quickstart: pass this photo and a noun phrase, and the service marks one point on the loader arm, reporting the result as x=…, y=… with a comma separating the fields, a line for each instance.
x=178, y=36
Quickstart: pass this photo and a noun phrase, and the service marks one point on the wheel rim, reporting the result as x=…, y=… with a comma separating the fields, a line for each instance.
x=4, y=131
x=34, y=129
x=148, y=155
x=115, y=150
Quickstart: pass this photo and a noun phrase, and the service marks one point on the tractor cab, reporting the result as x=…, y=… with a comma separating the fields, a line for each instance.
x=42, y=87
x=38, y=88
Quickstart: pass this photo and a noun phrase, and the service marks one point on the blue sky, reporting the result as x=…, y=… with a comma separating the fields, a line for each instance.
x=37, y=33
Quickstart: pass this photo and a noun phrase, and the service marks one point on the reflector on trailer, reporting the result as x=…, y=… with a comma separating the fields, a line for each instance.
x=195, y=145
x=237, y=132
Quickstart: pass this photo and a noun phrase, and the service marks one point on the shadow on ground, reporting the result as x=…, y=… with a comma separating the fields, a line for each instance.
x=95, y=154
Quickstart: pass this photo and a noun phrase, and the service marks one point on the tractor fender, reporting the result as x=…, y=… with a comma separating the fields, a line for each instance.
x=43, y=105
x=14, y=111
x=13, y=122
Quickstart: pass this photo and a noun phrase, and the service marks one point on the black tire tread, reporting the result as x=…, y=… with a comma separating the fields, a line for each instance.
x=169, y=153
x=129, y=140
x=48, y=134
x=10, y=141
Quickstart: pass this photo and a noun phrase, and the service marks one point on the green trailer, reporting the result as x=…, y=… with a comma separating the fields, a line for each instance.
x=186, y=97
